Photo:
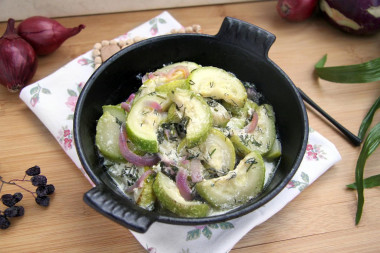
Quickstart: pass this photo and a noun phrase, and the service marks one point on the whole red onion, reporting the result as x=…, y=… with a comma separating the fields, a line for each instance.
x=18, y=61
x=45, y=34
x=296, y=10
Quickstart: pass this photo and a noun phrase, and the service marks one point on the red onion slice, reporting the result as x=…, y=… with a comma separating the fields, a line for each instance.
x=146, y=160
x=183, y=187
x=154, y=105
x=128, y=103
x=169, y=76
x=176, y=69
x=126, y=106
x=140, y=182
x=252, y=125
x=196, y=170
x=131, y=98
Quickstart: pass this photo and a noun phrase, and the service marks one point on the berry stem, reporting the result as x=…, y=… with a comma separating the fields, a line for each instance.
x=19, y=180
x=13, y=183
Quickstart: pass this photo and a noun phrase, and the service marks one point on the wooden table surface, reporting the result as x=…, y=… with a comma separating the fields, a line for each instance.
x=320, y=219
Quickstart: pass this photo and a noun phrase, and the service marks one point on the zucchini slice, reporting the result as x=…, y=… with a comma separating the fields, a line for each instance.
x=218, y=152
x=143, y=121
x=262, y=138
x=196, y=109
x=238, y=186
x=217, y=83
x=170, y=198
x=107, y=137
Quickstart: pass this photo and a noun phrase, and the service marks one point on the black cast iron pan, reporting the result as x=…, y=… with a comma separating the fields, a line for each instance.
x=240, y=48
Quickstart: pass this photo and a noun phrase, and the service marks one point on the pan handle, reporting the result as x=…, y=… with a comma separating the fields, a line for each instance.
x=246, y=35
x=109, y=205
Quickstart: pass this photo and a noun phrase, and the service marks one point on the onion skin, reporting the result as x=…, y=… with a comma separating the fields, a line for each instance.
x=296, y=10
x=18, y=61
x=353, y=16
x=44, y=34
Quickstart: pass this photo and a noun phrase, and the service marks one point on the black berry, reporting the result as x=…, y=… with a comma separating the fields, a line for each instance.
x=44, y=190
x=8, y=200
x=17, y=196
x=43, y=201
x=4, y=222
x=33, y=171
x=39, y=180
x=50, y=189
x=14, y=211
x=20, y=211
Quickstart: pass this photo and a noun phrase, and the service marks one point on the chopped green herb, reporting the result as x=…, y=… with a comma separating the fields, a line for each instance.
x=247, y=139
x=212, y=152
x=160, y=96
x=251, y=162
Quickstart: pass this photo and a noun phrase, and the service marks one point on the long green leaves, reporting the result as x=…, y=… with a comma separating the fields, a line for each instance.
x=368, y=119
x=358, y=73
x=370, y=144
x=368, y=182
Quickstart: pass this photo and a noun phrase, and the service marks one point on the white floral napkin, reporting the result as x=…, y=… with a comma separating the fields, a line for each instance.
x=53, y=100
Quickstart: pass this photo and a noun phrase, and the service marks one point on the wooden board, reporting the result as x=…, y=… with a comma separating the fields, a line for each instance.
x=321, y=219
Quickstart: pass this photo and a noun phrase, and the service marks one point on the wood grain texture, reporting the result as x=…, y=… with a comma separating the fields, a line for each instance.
x=321, y=219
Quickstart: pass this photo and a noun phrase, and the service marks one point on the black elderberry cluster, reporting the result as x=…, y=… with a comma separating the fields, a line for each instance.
x=41, y=195
x=10, y=201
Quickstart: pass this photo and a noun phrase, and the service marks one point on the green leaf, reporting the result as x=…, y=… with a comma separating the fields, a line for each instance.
x=370, y=144
x=368, y=119
x=305, y=177
x=369, y=182
x=226, y=225
x=193, y=234
x=45, y=91
x=72, y=93
x=34, y=90
x=358, y=73
x=213, y=226
x=207, y=232
x=162, y=21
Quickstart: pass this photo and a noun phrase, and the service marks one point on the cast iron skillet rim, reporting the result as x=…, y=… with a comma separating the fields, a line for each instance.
x=179, y=220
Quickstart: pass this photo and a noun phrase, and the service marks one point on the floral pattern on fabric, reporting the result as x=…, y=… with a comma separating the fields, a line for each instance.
x=35, y=94
x=315, y=152
x=154, y=25
x=84, y=61
x=65, y=138
x=71, y=101
x=206, y=230
x=299, y=184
